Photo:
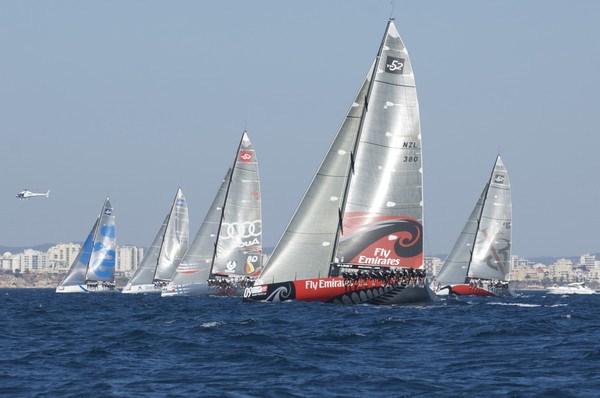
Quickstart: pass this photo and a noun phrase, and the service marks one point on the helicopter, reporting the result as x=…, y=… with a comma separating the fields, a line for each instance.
x=26, y=194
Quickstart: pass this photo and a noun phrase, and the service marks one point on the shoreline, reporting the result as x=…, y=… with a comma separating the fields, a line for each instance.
x=40, y=281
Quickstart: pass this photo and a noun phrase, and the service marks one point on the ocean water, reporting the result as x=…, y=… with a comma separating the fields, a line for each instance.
x=114, y=345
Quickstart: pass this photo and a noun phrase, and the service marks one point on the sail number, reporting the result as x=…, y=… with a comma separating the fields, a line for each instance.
x=412, y=157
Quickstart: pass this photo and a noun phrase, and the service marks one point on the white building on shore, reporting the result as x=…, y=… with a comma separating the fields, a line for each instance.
x=59, y=258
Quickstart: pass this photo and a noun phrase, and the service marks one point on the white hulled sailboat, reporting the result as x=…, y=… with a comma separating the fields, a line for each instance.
x=165, y=252
x=94, y=267
x=226, y=254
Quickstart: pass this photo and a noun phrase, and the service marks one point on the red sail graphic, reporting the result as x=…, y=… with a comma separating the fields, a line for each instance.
x=390, y=241
x=245, y=156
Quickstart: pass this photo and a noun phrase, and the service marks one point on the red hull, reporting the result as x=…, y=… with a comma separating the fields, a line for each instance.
x=466, y=290
x=337, y=290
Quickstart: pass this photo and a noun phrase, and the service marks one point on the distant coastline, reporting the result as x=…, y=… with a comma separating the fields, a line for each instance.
x=30, y=280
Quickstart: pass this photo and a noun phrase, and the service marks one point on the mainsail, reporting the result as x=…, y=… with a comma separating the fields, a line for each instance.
x=167, y=248
x=365, y=203
x=96, y=261
x=482, y=250
x=229, y=241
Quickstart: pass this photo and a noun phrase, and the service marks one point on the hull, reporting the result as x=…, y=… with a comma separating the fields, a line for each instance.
x=566, y=290
x=464, y=289
x=85, y=288
x=338, y=291
x=200, y=290
x=146, y=288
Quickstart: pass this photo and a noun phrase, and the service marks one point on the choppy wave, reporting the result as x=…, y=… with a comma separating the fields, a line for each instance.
x=142, y=345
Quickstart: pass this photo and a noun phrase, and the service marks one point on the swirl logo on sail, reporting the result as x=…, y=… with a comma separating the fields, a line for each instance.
x=396, y=242
x=245, y=156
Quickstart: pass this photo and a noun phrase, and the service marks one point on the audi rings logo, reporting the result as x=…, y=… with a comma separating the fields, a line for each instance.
x=241, y=230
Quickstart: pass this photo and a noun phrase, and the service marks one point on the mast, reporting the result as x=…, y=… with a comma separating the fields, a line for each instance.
x=87, y=265
x=168, y=219
x=357, y=141
x=484, y=195
x=233, y=168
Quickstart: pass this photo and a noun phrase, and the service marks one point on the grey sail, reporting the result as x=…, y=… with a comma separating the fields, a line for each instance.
x=144, y=273
x=77, y=272
x=383, y=215
x=456, y=265
x=368, y=190
x=239, y=245
x=234, y=247
x=310, y=237
x=101, y=265
x=482, y=250
x=168, y=246
x=491, y=254
x=196, y=263
x=175, y=240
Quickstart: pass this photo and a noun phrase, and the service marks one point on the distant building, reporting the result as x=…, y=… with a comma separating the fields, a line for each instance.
x=128, y=258
x=432, y=266
x=587, y=260
x=561, y=271
x=61, y=256
x=34, y=261
x=7, y=260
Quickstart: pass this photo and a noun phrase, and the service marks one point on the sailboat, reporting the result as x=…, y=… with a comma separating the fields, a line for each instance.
x=226, y=254
x=165, y=253
x=94, y=267
x=357, y=234
x=479, y=263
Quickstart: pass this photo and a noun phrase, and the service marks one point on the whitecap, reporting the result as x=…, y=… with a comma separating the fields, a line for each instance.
x=517, y=304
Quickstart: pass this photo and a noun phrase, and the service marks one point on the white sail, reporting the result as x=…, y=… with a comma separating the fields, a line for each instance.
x=166, y=251
x=383, y=215
x=456, y=265
x=76, y=274
x=196, y=263
x=491, y=254
x=175, y=239
x=239, y=245
x=367, y=193
x=229, y=242
x=482, y=250
x=94, y=266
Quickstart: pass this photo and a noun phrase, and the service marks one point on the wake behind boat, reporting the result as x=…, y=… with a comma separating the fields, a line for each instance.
x=571, y=288
x=94, y=267
x=357, y=235
x=479, y=263
x=165, y=252
x=226, y=254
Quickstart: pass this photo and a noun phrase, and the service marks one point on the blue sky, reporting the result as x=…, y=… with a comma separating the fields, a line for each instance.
x=133, y=99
